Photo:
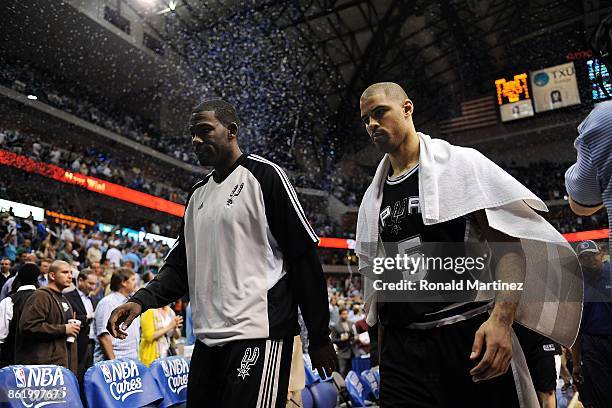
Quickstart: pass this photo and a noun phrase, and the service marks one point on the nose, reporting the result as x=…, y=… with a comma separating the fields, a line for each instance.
x=196, y=140
x=372, y=126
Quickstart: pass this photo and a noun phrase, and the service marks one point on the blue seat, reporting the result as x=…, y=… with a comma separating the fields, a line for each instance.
x=370, y=383
x=324, y=395
x=307, y=401
x=171, y=374
x=355, y=389
x=58, y=386
x=120, y=383
x=358, y=364
x=376, y=372
x=312, y=376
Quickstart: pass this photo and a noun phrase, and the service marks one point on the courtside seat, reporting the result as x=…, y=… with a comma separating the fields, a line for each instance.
x=120, y=383
x=370, y=383
x=324, y=395
x=171, y=374
x=38, y=385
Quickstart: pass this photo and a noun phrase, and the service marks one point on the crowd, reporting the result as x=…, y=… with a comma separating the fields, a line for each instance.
x=88, y=160
x=59, y=286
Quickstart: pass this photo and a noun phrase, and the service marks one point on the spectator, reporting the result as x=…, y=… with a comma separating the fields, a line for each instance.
x=66, y=253
x=132, y=256
x=114, y=255
x=11, y=309
x=342, y=337
x=93, y=253
x=122, y=285
x=7, y=288
x=5, y=270
x=160, y=327
x=592, y=350
x=84, y=307
x=334, y=311
x=43, y=326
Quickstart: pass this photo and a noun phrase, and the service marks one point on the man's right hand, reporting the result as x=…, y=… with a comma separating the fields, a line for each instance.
x=122, y=316
x=577, y=374
x=72, y=329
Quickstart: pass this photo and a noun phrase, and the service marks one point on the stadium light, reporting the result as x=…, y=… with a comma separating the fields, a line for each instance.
x=32, y=97
x=172, y=5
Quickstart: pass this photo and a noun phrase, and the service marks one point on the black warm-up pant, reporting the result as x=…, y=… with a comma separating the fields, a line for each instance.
x=244, y=373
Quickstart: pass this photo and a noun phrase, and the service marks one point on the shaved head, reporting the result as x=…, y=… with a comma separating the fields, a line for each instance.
x=389, y=89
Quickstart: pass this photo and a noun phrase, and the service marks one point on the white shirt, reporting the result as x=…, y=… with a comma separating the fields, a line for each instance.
x=90, y=311
x=114, y=256
x=6, y=312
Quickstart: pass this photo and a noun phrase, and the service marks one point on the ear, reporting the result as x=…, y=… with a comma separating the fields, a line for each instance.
x=408, y=107
x=233, y=130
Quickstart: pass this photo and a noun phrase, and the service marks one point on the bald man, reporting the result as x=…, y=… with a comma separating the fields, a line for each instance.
x=433, y=354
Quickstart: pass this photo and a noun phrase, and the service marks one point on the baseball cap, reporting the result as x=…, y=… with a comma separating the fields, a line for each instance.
x=587, y=246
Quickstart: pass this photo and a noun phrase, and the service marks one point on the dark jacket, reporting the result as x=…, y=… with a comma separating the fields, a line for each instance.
x=81, y=313
x=7, y=353
x=42, y=331
x=345, y=347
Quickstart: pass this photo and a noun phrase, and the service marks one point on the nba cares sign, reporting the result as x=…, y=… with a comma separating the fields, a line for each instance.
x=120, y=383
x=171, y=374
x=36, y=386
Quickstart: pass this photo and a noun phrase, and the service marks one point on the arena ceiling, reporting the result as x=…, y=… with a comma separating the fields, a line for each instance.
x=442, y=52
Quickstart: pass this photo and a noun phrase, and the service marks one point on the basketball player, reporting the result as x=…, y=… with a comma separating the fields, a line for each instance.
x=247, y=256
x=435, y=354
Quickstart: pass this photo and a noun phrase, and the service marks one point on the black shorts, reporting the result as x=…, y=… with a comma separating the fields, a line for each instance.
x=244, y=373
x=431, y=368
x=540, y=354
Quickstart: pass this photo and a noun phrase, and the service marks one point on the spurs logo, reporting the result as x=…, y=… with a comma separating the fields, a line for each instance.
x=235, y=192
x=248, y=360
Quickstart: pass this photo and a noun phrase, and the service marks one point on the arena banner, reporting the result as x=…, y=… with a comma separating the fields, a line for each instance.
x=36, y=386
x=120, y=383
x=171, y=374
x=90, y=183
x=22, y=210
x=555, y=87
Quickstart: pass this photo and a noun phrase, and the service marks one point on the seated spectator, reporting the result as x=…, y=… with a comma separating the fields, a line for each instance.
x=11, y=308
x=160, y=327
x=43, y=327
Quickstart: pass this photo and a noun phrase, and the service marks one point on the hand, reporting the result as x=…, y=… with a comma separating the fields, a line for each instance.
x=177, y=322
x=123, y=315
x=323, y=359
x=496, y=360
x=577, y=374
x=72, y=329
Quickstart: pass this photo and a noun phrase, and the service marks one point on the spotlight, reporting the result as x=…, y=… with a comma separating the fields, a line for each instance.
x=32, y=97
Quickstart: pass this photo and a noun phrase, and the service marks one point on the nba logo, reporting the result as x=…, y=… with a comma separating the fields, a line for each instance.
x=165, y=368
x=107, y=373
x=20, y=377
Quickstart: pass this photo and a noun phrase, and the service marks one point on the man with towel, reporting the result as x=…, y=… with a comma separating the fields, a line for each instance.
x=428, y=191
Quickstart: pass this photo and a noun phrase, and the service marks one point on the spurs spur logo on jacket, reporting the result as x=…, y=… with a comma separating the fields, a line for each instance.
x=235, y=192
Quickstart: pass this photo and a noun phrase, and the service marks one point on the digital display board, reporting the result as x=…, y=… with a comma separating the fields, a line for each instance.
x=513, y=98
x=596, y=68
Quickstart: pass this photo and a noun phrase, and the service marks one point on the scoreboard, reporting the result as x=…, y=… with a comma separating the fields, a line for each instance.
x=513, y=97
x=596, y=69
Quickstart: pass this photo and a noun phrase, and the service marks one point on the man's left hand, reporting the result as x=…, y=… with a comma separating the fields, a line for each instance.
x=497, y=337
x=323, y=358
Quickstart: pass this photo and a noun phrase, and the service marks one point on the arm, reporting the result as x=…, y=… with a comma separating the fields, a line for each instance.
x=311, y=291
x=576, y=351
x=106, y=343
x=582, y=183
x=147, y=326
x=34, y=318
x=584, y=210
x=496, y=332
x=6, y=315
